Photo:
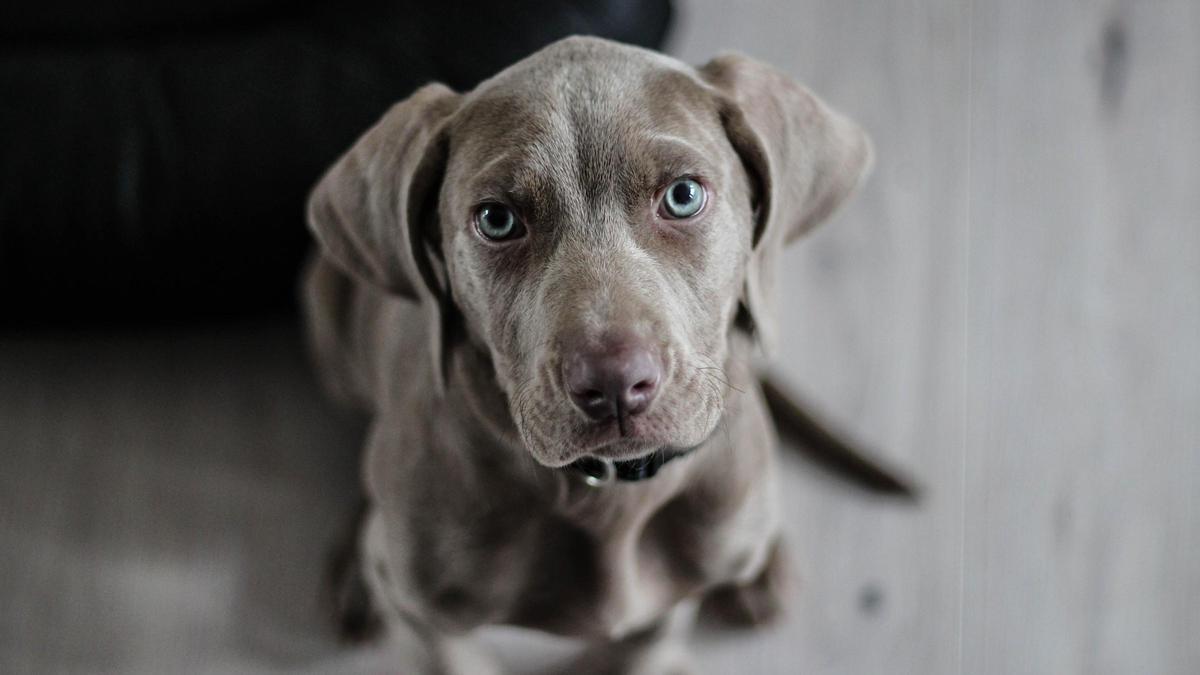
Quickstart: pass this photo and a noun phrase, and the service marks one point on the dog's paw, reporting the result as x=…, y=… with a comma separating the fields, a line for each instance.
x=346, y=595
x=657, y=660
x=760, y=602
x=673, y=661
x=354, y=614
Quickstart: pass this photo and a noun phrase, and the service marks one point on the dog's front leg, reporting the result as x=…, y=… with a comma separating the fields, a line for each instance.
x=757, y=602
x=423, y=648
x=660, y=649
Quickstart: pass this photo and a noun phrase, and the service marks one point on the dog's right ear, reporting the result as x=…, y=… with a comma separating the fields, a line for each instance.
x=803, y=157
x=370, y=211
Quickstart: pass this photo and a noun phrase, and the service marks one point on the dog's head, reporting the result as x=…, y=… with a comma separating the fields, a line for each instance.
x=597, y=219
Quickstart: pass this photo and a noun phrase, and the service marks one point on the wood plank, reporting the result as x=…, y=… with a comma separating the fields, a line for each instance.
x=1084, y=406
x=873, y=326
x=166, y=501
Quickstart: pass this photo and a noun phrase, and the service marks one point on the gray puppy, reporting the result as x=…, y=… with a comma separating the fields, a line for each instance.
x=546, y=292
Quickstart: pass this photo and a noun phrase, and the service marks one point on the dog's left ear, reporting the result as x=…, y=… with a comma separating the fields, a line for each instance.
x=374, y=212
x=803, y=157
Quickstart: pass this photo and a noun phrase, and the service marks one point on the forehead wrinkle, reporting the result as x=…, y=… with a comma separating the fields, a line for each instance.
x=592, y=123
x=511, y=174
x=552, y=169
x=596, y=142
x=490, y=167
x=674, y=145
x=634, y=140
x=665, y=161
x=595, y=139
x=517, y=149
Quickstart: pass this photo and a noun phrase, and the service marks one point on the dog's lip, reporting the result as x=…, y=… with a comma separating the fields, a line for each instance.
x=604, y=441
x=623, y=449
x=641, y=455
x=634, y=447
x=669, y=451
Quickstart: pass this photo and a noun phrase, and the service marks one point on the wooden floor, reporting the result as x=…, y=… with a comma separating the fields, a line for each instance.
x=1010, y=308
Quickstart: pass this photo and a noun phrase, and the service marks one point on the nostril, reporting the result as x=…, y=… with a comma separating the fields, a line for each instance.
x=592, y=396
x=637, y=398
x=644, y=387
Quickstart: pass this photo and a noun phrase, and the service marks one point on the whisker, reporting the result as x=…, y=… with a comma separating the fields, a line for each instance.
x=726, y=383
x=714, y=366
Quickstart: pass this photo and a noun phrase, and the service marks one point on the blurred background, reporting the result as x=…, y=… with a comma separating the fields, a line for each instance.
x=1009, y=309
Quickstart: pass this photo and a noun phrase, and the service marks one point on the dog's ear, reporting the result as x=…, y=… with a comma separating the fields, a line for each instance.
x=374, y=213
x=368, y=211
x=803, y=157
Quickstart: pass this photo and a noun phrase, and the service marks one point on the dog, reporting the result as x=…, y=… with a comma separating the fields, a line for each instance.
x=547, y=293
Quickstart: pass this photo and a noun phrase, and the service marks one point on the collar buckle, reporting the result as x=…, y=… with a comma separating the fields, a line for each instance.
x=597, y=472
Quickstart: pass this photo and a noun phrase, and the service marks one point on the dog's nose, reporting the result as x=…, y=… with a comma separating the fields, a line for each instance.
x=615, y=382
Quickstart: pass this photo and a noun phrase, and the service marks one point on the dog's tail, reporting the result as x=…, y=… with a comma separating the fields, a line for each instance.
x=829, y=449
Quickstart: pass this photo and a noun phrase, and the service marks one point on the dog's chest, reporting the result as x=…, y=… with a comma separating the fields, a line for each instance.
x=606, y=565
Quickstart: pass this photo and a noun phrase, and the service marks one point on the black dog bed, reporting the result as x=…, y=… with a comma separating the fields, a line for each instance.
x=154, y=158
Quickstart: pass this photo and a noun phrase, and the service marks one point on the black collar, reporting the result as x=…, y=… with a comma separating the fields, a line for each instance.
x=597, y=472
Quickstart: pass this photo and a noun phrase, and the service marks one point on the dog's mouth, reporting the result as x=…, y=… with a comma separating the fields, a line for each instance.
x=627, y=438
x=598, y=472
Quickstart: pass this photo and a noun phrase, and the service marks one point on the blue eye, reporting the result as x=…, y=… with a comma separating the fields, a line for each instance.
x=497, y=222
x=683, y=198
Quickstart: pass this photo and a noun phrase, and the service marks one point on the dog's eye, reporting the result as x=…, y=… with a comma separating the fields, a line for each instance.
x=497, y=222
x=683, y=198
